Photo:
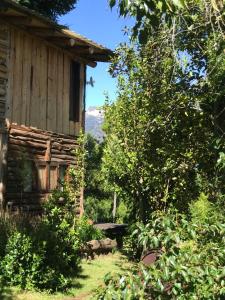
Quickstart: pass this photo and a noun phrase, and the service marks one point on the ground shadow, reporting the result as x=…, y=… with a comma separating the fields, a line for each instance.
x=5, y=292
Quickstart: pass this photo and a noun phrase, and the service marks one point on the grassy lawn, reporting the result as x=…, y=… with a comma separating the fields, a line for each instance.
x=89, y=279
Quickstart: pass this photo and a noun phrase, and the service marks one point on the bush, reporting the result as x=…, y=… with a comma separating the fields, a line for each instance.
x=58, y=229
x=44, y=253
x=25, y=265
x=4, y=228
x=192, y=263
x=86, y=231
x=30, y=257
x=20, y=260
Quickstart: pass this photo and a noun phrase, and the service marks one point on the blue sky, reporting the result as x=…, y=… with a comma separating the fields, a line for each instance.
x=95, y=20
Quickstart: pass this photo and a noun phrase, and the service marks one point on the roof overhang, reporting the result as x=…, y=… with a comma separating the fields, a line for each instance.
x=78, y=47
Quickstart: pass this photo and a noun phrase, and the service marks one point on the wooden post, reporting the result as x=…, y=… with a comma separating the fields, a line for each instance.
x=3, y=166
x=114, y=206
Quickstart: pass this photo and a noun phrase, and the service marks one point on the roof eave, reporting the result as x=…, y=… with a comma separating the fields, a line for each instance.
x=79, y=47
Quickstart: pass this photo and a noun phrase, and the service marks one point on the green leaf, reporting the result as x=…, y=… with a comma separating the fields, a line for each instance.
x=178, y=3
x=159, y=5
x=112, y=3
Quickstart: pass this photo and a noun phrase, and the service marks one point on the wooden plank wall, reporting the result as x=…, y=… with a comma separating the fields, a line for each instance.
x=4, y=46
x=34, y=103
x=40, y=85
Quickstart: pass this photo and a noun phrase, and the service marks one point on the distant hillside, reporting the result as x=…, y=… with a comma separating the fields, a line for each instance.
x=94, y=121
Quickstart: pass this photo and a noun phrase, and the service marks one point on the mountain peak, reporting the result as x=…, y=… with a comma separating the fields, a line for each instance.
x=94, y=121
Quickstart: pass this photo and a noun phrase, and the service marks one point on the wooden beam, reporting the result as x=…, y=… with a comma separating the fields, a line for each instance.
x=79, y=49
x=62, y=41
x=42, y=31
x=83, y=60
x=96, y=57
x=38, y=31
x=17, y=20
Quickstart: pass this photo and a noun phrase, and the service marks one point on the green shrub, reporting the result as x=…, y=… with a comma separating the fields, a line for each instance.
x=4, y=228
x=202, y=211
x=63, y=243
x=131, y=248
x=24, y=263
x=44, y=253
x=86, y=231
x=122, y=213
x=30, y=262
x=191, y=266
x=19, y=260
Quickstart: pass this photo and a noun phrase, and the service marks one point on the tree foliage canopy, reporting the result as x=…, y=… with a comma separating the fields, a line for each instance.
x=166, y=129
x=49, y=8
x=151, y=14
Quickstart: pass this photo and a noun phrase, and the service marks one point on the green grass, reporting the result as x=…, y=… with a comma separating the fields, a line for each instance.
x=89, y=279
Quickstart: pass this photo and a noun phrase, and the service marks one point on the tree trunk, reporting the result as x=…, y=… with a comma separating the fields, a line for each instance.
x=114, y=206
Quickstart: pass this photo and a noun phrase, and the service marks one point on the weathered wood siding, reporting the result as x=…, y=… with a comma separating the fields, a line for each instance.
x=36, y=135
x=40, y=85
x=4, y=46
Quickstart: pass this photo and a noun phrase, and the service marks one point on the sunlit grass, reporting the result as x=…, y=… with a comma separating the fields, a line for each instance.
x=89, y=279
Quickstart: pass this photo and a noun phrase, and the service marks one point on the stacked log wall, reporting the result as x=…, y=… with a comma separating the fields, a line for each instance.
x=48, y=152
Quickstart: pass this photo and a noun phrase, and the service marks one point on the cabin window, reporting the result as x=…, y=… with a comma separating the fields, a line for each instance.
x=47, y=176
x=43, y=177
x=75, y=92
x=27, y=176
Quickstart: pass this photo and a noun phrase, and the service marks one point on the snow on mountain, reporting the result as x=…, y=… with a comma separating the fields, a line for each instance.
x=93, y=122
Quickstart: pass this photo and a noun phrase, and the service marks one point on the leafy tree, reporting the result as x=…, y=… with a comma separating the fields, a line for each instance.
x=49, y=8
x=98, y=199
x=94, y=150
x=166, y=130
x=98, y=192
x=150, y=14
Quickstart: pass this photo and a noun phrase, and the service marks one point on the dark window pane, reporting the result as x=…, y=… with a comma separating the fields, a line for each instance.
x=28, y=176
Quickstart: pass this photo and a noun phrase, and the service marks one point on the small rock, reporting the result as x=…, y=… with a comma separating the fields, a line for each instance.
x=94, y=244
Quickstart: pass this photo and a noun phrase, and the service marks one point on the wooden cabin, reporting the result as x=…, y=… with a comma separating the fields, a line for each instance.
x=42, y=103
